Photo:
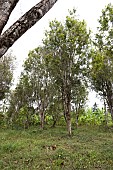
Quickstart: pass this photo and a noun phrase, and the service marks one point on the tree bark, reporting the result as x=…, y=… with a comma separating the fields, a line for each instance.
x=54, y=123
x=69, y=123
x=112, y=114
x=6, y=7
x=24, y=23
x=42, y=120
x=105, y=113
x=77, y=116
x=67, y=114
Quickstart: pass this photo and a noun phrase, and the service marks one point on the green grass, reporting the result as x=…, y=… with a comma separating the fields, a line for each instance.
x=90, y=148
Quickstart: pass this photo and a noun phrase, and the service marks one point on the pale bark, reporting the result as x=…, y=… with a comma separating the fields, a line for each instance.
x=69, y=123
x=24, y=23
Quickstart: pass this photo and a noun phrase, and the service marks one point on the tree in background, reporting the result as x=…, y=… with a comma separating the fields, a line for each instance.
x=6, y=74
x=25, y=22
x=102, y=58
x=20, y=100
x=79, y=99
x=67, y=59
x=6, y=80
x=36, y=71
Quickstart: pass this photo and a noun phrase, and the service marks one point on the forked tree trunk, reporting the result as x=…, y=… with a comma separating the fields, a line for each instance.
x=24, y=23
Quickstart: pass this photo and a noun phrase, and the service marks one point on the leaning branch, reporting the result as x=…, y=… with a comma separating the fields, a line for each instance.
x=24, y=23
x=6, y=7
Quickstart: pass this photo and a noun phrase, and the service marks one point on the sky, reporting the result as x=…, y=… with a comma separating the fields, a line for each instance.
x=89, y=10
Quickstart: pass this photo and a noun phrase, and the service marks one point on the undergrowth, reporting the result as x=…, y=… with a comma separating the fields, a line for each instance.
x=88, y=148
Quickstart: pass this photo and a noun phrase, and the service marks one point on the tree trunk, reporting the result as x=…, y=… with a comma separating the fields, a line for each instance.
x=112, y=114
x=54, y=123
x=24, y=23
x=68, y=118
x=106, y=114
x=6, y=7
x=76, y=121
x=69, y=123
x=67, y=109
x=42, y=120
x=110, y=106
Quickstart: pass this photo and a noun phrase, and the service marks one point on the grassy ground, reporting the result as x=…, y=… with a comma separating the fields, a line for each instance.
x=90, y=148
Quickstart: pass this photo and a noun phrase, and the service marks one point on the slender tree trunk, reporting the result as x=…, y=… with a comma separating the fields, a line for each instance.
x=112, y=114
x=42, y=120
x=110, y=106
x=106, y=114
x=65, y=115
x=54, y=123
x=69, y=123
x=76, y=121
x=67, y=109
x=68, y=118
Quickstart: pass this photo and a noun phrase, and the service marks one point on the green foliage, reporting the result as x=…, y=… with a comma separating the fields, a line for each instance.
x=54, y=73
x=92, y=118
x=6, y=74
x=68, y=60
x=102, y=58
x=96, y=117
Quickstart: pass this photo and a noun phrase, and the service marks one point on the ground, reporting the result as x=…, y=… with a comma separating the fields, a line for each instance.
x=90, y=148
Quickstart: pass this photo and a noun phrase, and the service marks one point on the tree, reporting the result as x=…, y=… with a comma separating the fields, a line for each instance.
x=24, y=23
x=36, y=71
x=20, y=102
x=6, y=74
x=102, y=58
x=67, y=58
x=79, y=99
x=55, y=109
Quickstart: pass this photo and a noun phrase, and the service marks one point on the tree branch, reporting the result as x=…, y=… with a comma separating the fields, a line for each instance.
x=23, y=24
x=6, y=7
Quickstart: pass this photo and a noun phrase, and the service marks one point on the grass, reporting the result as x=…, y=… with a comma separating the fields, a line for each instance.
x=90, y=148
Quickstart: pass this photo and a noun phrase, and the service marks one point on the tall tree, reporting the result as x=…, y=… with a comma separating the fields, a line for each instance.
x=13, y=33
x=36, y=71
x=102, y=58
x=68, y=58
x=21, y=102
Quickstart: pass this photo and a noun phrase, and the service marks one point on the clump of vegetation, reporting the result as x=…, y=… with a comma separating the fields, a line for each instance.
x=97, y=117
